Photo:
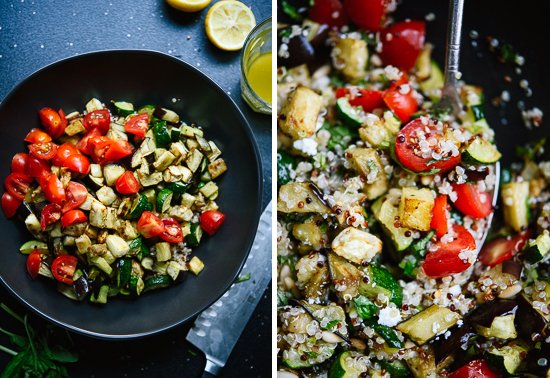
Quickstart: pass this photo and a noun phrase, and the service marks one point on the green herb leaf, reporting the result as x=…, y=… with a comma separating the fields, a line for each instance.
x=364, y=307
x=331, y=324
x=290, y=11
x=532, y=150
x=311, y=354
x=282, y=298
x=243, y=278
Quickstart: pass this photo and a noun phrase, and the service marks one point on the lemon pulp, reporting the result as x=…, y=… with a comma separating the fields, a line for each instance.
x=228, y=23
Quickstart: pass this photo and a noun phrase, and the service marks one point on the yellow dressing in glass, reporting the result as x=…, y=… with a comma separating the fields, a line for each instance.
x=259, y=76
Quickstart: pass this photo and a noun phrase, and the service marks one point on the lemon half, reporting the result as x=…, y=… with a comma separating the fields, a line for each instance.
x=228, y=23
x=189, y=5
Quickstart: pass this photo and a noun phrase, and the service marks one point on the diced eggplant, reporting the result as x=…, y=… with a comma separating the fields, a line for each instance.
x=81, y=287
x=167, y=115
x=495, y=319
x=75, y=230
x=300, y=197
x=446, y=346
x=165, y=159
x=344, y=276
x=300, y=51
x=217, y=168
x=531, y=319
x=299, y=114
x=150, y=180
x=106, y=195
x=94, y=104
x=117, y=246
x=112, y=172
x=356, y=245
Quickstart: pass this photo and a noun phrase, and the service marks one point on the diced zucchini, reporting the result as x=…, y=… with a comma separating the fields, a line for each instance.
x=167, y=115
x=33, y=224
x=481, y=151
x=112, y=172
x=385, y=211
x=300, y=197
x=137, y=284
x=356, y=245
x=387, y=333
x=433, y=85
x=375, y=133
x=34, y=245
x=124, y=108
x=194, y=160
x=344, y=274
x=106, y=195
x=346, y=366
x=74, y=127
x=101, y=296
x=515, y=197
x=164, y=199
x=196, y=265
x=423, y=363
x=351, y=116
x=147, y=109
x=508, y=357
x=94, y=104
x=139, y=205
x=124, y=271
x=381, y=281
x=163, y=252
x=415, y=209
x=298, y=119
x=210, y=190
x=428, y=323
x=190, y=132
x=173, y=269
x=83, y=244
x=180, y=213
x=117, y=246
x=150, y=180
x=367, y=162
x=350, y=56
x=538, y=249
x=396, y=368
x=188, y=200
x=147, y=263
x=292, y=357
x=179, y=150
x=161, y=133
x=423, y=62
x=194, y=237
x=101, y=263
x=217, y=168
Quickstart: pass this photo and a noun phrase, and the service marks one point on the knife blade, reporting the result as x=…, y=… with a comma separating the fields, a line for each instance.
x=216, y=331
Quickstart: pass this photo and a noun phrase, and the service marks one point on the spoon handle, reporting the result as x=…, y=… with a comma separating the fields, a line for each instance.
x=454, y=30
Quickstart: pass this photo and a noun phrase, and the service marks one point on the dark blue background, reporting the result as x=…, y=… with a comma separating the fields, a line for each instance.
x=36, y=33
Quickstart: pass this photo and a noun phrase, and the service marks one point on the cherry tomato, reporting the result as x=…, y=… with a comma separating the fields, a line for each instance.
x=73, y=217
x=330, y=12
x=78, y=163
x=17, y=184
x=173, y=233
x=502, y=249
x=37, y=136
x=19, y=162
x=85, y=145
x=402, y=42
x=44, y=151
x=119, y=149
x=10, y=204
x=33, y=263
x=474, y=369
x=98, y=119
x=367, y=99
x=137, y=125
x=127, y=183
x=404, y=105
x=76, y=195
x=407, y=148
x=51, y=213
x=440, y=216
x=367, y=14
x=63, y=152
x=471, y=201
x=150, y=225
x=54, y=122
x=443, y=258
x=211, y=220
x=63, y=268
x=37, y=167
x=53, y=189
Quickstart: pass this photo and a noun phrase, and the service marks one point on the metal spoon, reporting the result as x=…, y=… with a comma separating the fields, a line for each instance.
x=449, y=94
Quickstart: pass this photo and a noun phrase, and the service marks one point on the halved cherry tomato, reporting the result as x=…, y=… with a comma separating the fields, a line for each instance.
x=211, y=220
x=53, y=189
x=73, y=217
x=44, y=151
x=330, y=12
x=17, y=184
x=63, y=152
x=127, y=183
x=404, y=105
x=118, y=149
x=471, y=201
x=54, y=122
x=51, y=213
x=10, y=204
x=150, y=225
x=37, y=136
x=443, y=259
x=85, y=145
x=19, y=162
x=76, y=195
x=33, y=263
x=402, y=42
x=137, y=125
x=63, y=268
x=502, y=249
x=77, y=163
x=173, y=232
x=367, y=99
x=100, y=145
x=98, y=119
x=440, y=216
x=474, y=369
x=367, y=14
x=37, y=168
x=407, y=149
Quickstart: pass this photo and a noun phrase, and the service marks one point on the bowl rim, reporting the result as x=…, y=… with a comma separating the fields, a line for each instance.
x=258, y=204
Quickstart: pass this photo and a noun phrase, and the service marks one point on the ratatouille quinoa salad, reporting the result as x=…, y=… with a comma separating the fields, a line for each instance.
x=114, y=200
x=384, y=201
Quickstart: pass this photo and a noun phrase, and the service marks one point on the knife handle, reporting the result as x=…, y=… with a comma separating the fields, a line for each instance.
x=212, y=369
x=206, y=374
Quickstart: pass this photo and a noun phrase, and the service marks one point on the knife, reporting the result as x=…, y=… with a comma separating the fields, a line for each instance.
x=217, y=329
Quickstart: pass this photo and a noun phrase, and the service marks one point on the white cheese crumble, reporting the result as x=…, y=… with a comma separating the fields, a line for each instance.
x=307, y=145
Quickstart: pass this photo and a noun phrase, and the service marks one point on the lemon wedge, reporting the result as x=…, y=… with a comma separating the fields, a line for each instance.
x=189, y=5
x=228, y=23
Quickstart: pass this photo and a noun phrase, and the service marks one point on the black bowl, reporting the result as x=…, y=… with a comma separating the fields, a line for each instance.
x=141, y=77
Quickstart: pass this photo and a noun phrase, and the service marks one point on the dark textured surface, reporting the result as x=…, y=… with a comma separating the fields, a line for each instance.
x=36, y=33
